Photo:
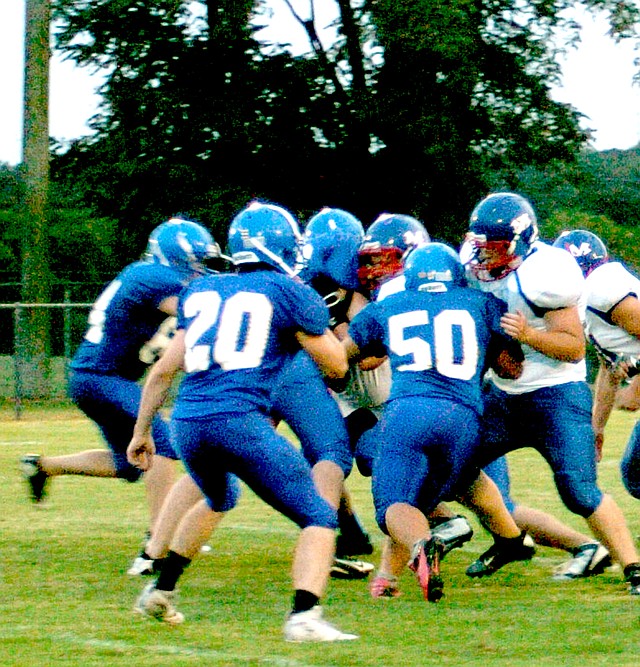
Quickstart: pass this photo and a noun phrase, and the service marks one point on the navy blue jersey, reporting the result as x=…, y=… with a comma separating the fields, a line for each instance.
x=239, y=331
x=124, y=317
x=436, y=342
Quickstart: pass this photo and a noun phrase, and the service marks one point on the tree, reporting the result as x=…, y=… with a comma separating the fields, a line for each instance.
x=415, y=107
x=32, y=323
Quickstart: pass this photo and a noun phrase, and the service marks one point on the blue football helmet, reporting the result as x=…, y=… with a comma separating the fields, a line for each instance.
x=587, y=248
x=434, y=267
x=183, y=245
x=385, y=247
x=266, y=234
x=502, y=230
x=331, y=242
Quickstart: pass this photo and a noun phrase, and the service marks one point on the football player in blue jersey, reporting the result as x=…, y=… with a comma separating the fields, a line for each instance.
x=550, y=402
x=380, y=260
x=235, y=332
x=330, y=248
x=439, y=336
x=330, y=244
x=111, y=359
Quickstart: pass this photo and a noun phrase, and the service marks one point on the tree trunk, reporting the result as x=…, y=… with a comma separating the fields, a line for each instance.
x=32, y=335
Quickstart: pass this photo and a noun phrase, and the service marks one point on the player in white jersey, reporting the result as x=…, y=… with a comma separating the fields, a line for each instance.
x=549, y=406
x=613, y=327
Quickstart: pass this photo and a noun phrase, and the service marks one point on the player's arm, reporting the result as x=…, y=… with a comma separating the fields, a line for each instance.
x=628, y=398
x=326, y=351
x=154, y=393
x=605, y=388
x=358, y=302
x=561, y=339
x=626, y=315
x=351, y=350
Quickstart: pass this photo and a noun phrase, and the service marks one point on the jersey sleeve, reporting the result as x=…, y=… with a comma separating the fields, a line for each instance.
x=608, y=285
x=367, y=332
x=551, y=279
x=495, y=308
x=305, y=307
x=157, y=283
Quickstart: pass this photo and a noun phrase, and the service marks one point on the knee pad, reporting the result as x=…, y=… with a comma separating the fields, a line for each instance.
x=581, y=496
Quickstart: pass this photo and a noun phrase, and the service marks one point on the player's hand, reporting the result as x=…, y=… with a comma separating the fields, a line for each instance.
x=515, y=325
x=140, y=452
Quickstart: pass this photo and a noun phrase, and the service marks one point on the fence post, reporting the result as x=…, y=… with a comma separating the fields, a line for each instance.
x=17, y=377
x=66, y=314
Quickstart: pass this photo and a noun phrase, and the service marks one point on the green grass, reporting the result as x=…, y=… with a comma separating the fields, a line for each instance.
x=66, y=600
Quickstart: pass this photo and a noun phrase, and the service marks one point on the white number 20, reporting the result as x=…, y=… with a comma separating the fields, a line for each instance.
x=243, y=312
x=443, y=337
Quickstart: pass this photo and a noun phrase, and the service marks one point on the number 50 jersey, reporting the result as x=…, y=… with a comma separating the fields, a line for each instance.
x=436, y=342
x=239, y=331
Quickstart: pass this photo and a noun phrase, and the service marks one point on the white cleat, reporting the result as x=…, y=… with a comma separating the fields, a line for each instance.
x=309, y=626
x=349, y=568
x=588, y=560
x=141, y=566
x=452, y=533
x=158, y=604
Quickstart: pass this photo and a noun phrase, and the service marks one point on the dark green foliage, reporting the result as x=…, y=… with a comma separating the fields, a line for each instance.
x=418, y=107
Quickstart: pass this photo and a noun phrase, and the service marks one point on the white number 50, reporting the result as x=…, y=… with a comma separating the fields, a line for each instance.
x=443, y=337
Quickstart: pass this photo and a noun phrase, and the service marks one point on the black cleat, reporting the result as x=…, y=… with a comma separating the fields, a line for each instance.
x=425, y=562
x=632, y=577
x=34, y=475
x=501, y=553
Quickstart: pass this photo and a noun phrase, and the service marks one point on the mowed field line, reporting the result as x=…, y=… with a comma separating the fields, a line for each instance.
x=147, y=650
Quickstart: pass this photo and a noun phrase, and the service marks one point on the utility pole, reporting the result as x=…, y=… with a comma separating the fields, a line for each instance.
x=33, y=334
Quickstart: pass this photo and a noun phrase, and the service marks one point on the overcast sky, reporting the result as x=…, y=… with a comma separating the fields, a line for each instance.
x=597, y=80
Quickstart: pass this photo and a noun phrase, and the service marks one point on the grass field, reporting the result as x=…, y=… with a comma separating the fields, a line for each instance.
x=66, y=599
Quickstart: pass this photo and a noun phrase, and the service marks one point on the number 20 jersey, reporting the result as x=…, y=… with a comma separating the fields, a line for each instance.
x=239, y=331
x=436, y=342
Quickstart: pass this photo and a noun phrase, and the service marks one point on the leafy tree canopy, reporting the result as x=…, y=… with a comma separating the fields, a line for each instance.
x=414, y=108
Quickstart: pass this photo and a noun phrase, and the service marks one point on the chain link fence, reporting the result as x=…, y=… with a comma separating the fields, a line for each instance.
x=68, y=322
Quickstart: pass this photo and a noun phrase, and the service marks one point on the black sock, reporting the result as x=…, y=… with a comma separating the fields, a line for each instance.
x=172, y=568
x=510, y=540
x=303, y=601
x=350, y=526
